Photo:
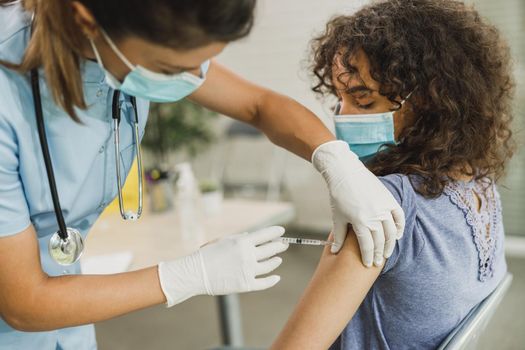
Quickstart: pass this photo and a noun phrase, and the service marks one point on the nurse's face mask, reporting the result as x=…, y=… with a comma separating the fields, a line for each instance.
x=152, y=86
x=365, y=133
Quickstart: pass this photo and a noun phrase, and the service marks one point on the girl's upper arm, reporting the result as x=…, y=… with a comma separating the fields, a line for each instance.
x=331, y=299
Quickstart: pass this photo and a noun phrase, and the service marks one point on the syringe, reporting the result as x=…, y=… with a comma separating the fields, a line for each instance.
x=304, y=241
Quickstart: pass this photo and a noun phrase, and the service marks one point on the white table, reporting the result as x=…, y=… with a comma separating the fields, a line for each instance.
x=155, y=238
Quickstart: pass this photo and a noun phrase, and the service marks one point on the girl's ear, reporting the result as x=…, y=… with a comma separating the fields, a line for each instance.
x=85, y=20
x=403, y=118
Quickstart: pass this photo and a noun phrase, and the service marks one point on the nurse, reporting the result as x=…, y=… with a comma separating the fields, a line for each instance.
x=82, y=52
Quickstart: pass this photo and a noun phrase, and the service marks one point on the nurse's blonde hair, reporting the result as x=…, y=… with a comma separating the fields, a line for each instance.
x=57, y=39
x=54, y=47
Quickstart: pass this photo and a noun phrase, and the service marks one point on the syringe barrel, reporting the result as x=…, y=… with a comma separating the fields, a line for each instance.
x=302, y=241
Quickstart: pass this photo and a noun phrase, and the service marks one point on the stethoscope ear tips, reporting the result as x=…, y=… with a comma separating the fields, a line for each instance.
x=130, y=215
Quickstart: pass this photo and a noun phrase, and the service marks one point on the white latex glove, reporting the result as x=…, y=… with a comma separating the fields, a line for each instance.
x=226, y=266
x=359, y=198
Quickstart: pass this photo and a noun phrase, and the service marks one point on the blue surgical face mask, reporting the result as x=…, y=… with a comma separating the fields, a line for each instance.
x=155, y=87
x=365, y=133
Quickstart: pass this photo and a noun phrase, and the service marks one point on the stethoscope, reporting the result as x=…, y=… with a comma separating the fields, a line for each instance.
x=66, y=245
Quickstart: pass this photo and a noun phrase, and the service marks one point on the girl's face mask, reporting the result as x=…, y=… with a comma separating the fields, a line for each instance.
x=365, y=133
x=152, y=86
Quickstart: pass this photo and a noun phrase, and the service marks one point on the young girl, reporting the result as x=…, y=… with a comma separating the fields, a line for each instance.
x=424, y=93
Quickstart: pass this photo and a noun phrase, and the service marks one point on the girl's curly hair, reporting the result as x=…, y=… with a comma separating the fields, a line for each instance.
x=458, y=68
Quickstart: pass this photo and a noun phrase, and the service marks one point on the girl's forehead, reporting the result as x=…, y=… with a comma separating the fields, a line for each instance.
x=361, y=70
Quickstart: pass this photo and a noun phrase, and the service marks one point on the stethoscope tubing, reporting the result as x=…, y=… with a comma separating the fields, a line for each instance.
x=62, y=232
x=116, y=122
x=66, y=245
x=37, y=100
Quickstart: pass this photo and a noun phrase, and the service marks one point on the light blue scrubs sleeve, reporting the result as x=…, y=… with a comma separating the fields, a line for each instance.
x=14, y=212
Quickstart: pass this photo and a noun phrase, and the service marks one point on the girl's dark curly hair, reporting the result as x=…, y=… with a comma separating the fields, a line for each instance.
x=459, y=69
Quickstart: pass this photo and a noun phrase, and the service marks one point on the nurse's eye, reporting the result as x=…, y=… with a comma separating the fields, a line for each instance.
x=367, y=106
x=162, y=69
x=169, y=72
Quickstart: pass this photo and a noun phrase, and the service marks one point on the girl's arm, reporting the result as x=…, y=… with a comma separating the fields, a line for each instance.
x=331, y=299
x=30, y=300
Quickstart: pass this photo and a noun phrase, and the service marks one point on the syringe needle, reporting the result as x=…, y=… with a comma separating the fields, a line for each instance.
x=305, y=241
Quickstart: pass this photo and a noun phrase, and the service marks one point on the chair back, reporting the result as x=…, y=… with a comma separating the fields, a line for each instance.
x=466, y=335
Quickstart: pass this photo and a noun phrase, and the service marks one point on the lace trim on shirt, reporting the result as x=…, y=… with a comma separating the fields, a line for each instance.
x=483, y=223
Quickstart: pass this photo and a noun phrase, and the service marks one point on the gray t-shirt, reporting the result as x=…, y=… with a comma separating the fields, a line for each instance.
x=449, y=259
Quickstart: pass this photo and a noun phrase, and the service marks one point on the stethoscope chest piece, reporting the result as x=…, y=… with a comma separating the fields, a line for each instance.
x=66, y=251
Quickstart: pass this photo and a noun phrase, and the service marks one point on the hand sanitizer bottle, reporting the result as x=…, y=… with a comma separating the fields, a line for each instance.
x=188, y=207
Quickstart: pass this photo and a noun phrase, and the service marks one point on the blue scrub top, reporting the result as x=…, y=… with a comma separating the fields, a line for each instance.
x=83, y=159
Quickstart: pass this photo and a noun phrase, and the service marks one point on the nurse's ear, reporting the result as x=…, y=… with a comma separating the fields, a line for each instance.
x=85, y=20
